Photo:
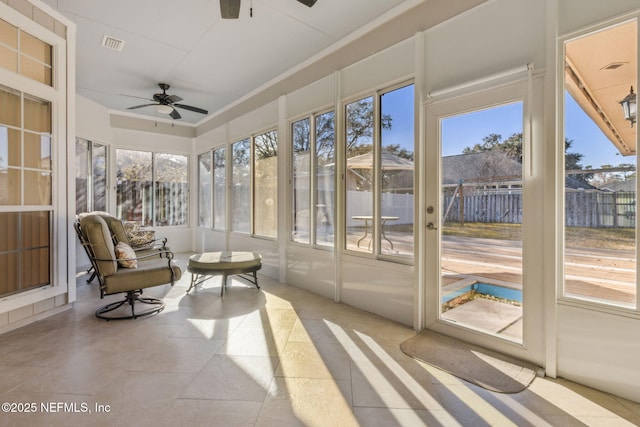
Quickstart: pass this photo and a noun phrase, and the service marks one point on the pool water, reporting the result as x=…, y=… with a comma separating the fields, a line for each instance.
x=485, y=289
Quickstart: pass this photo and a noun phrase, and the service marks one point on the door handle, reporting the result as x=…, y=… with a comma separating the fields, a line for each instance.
x=430, y=226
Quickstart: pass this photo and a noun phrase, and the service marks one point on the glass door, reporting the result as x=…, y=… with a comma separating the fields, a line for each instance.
x=482, y=220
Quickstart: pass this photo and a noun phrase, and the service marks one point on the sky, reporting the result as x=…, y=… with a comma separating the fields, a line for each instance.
x=467, y=130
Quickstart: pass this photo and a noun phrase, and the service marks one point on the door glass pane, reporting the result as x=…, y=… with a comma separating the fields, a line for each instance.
x=37, y=151
x=301, y=139
x=266, y=184
x=325, y=178
x=219, y=189
x=10, y=107
x=481, y=208
x=37, y=115
x=396, y=172
x=600, y=167
x=241, y=186
x=204, y=189
x=359, y=175
x=8, y=46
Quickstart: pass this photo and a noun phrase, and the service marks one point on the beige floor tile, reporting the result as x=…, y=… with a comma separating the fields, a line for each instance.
x=255, y=342
x=315, y=360
x=178, y=355
x=212, y=413
x=307, y=402
x=239, y=378
x=279, y=356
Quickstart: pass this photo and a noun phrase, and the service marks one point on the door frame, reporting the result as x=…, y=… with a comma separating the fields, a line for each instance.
x=527, y=89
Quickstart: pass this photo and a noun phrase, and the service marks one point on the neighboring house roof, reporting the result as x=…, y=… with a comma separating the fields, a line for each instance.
x=627, y=185
x=576, y=184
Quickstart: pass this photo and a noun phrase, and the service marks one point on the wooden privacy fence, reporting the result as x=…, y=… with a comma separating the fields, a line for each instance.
x=582, y=208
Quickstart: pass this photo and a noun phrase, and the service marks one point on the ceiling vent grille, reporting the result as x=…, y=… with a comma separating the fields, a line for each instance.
x=112, y=43
x=613, y=66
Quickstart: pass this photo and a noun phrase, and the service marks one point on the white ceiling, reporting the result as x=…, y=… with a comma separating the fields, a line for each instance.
x=208, y=61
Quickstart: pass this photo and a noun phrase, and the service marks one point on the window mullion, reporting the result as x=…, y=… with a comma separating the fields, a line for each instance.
x=313, y=199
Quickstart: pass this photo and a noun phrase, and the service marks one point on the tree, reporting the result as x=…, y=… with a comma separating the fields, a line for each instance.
x=512, y=146
x=360, y=121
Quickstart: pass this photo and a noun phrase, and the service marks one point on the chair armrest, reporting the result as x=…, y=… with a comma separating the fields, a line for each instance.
x=169, y=255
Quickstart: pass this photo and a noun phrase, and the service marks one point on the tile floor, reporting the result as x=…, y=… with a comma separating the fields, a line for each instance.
x=275, y=357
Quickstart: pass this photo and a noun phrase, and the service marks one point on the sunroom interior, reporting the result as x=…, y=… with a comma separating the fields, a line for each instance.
x=353, y=171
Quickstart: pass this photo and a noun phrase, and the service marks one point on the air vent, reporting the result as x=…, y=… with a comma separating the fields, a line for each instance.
x=613, y=65
x=112, y=43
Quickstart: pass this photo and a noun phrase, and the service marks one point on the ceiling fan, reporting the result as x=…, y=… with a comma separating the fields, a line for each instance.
x=166, y=104
x=230, y=9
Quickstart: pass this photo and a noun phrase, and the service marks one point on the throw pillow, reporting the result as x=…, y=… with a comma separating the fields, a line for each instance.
x=126, y=256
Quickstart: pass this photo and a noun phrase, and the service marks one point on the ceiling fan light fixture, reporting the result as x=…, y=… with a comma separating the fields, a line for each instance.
x=308, y=2
x=164, y=109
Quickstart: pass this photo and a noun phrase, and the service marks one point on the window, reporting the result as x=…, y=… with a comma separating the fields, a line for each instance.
x=301, y=138
x=219, y=188
x=359, y=174
x=24, y=54
x=254, y=190
x=26, y=201
x=204, y=189
x=91, y=176
x=379, y=173
x=152, y=188
x=600, y=183
x=313, y=157
x=396, y=171
x=265, y=193
x=241, y=186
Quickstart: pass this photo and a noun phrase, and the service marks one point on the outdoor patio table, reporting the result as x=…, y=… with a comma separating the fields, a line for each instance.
x=383, y=222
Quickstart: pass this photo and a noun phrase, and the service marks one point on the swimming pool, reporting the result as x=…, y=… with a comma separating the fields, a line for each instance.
x=485, y=289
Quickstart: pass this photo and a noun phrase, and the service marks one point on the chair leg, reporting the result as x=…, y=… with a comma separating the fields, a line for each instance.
x=131, y=298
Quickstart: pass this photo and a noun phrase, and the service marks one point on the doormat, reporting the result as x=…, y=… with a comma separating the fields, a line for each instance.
x=485, y=368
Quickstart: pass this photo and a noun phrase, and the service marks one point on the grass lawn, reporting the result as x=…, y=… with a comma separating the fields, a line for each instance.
x=577, y=237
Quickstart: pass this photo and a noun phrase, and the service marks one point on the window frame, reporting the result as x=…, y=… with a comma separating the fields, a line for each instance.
x=376, y=141
x=152, y=202
x=91, y=145
x=59, y=96
x=562, y=297
x=313, y=181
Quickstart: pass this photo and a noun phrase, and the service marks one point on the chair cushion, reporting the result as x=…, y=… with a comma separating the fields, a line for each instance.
x=99, y=238
x=126, y=256
x=116, y=227
x=153, y=272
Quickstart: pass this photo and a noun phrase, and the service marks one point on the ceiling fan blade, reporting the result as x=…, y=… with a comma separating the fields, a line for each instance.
x=190, y=108
x=140, y=106
x=308, y=2
x=138, y=97
x=173, y=98
x=230, y=9
x=175, y=115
